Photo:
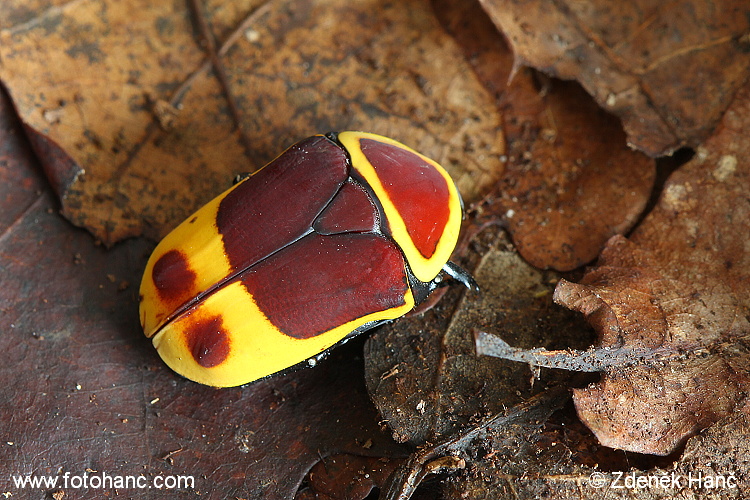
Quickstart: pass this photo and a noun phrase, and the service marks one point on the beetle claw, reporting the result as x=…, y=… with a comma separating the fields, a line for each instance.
x=461, y=275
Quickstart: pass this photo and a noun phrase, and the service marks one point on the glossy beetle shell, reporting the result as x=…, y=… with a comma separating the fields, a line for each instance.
x=337, y=234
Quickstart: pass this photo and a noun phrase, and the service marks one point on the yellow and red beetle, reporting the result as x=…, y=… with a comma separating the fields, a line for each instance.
x=338, y=234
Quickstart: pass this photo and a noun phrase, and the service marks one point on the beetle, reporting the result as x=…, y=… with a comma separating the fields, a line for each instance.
x=338, y=234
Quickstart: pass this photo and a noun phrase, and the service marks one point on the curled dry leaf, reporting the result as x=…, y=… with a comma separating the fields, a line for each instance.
x=565, y=155
x=667, y=69
x=680, y=285
x=158, y=105
x=570, y=182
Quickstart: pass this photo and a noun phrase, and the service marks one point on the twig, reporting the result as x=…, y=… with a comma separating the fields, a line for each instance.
x=591, y=360
x=213, y=55
x=447, y=455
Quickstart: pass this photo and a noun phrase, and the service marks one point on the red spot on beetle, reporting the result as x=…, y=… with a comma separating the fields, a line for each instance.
x=207, y=341
x=418, y=191
x=351, y=210
x=321, y=282
x=174, y=279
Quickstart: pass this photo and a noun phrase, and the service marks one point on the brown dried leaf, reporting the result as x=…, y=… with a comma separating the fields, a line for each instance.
x=127, y=90
x=680, y=286
x=667, y=69
x=570, y=181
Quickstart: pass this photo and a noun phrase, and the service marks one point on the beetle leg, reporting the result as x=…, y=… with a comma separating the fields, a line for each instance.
x=461, y=275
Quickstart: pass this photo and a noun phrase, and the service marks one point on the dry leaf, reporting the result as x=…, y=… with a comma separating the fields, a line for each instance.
x=422, y=373
x=570, y=181
x=667, y=69
x=159, y=105
x=679, y=286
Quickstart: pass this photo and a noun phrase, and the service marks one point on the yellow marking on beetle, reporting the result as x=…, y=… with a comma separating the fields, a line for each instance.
x=425, y=269
x=256, y=347
x=201, y=242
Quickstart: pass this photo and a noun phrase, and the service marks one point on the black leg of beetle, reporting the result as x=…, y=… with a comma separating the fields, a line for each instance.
x=422, y=290
x=461, y=275
x=240, y=177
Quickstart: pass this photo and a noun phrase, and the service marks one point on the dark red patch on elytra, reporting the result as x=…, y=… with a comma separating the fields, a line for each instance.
x=174, y=279
x=321, y=282
x=207, y=341
x=418, y=191
x=351, y=210
x=279, y=203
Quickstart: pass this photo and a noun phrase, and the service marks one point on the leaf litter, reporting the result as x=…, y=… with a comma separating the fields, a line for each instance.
x=668, y=69
x=652, y=297
x=670, y=306
x=156, y=118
